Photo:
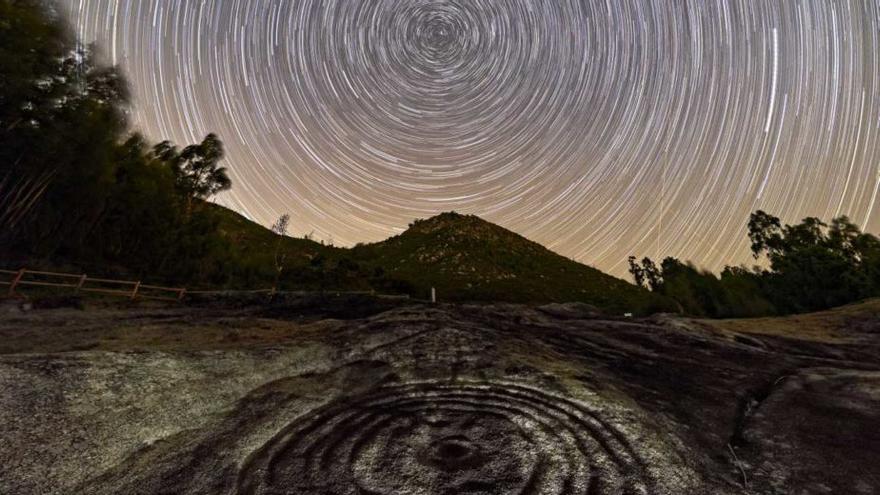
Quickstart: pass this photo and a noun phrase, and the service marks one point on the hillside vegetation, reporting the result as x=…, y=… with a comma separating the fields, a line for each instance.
x=464, y=257
x=467, y=258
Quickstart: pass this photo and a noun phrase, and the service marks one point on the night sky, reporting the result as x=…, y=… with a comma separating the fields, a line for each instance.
x=597, y=128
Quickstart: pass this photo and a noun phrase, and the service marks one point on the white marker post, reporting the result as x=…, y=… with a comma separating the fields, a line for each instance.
x=433, y=295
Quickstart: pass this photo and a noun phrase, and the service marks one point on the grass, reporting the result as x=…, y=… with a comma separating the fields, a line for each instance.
x=830, y=326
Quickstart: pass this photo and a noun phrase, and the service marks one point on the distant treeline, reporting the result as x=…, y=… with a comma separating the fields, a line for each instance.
x=808, y=266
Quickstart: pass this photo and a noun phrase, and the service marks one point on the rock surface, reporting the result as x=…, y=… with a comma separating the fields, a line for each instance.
x=434, y=399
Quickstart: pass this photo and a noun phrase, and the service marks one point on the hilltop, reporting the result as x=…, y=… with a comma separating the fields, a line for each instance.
x=469, y=259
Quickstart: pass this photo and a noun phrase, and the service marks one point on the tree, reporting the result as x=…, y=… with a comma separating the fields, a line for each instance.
x=32, y=45
x=75, y=186
x=813, y=265
x=653, y=275
x=196, y=168
x=280, y=229
x=647, y=274
x=61, y=114
x=636, y=270
x=809, y=266
x=765, y=232
x=746, y=292
x=198, y=171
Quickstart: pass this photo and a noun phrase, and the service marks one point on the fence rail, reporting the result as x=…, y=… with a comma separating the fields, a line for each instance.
x=132, y=289
x=83, y=283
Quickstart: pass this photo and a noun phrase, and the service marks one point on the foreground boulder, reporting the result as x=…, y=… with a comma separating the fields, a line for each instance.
x=428, y=399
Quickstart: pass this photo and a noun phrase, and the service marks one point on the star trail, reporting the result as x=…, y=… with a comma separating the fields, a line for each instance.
x=597, y=128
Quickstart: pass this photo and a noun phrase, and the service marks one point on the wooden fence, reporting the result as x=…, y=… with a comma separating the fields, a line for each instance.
x=15, y=279
x=83, y=283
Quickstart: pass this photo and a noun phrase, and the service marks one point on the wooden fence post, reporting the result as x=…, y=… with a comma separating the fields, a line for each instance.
x=134, y=292
x=82, y=281
x=182, y=293
x=15, y=281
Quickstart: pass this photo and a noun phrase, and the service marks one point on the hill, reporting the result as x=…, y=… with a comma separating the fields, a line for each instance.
x=307, y=264
x=463, y=256
x=469, y=259
x=254, y=241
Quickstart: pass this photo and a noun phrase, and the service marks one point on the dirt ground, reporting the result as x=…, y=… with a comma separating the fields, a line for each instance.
x=359, y=396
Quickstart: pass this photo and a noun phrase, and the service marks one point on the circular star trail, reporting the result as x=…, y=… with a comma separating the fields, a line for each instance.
x=600, y=129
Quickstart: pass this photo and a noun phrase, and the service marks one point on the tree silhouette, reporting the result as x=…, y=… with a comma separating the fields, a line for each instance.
x=61, y=115
x=636, y=270
x=199, y=173
x=196, y=168
x=280, y=229
x=809, y=266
